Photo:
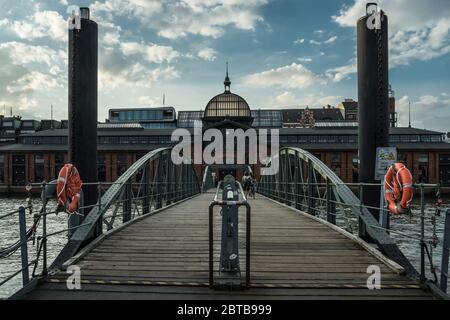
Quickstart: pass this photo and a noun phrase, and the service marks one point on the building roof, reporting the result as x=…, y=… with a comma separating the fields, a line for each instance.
x=349, y=105
x=320, y=114
x=227, y=105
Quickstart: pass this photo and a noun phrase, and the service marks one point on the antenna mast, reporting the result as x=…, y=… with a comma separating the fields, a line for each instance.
x=409, y=113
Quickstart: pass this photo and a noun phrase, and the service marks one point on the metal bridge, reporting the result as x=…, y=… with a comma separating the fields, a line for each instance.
x=156, y=233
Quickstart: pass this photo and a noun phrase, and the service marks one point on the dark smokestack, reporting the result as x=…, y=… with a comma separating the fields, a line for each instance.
x=373, y=99
x=83, y=65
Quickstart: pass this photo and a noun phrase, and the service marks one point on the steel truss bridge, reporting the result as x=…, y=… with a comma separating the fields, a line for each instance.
x=158, y=233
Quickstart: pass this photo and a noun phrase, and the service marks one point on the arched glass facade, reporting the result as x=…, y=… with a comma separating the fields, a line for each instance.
x=227, y=105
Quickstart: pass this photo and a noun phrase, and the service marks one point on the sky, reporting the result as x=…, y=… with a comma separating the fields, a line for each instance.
x=282, y=53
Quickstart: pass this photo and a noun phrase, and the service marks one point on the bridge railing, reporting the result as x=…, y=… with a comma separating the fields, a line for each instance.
x=307, y=184
x=150, y=184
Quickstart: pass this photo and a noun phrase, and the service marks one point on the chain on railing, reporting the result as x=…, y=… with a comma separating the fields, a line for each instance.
x=306, y=183
x=150, y=184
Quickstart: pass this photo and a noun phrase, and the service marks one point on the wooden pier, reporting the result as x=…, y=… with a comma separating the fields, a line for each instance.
x=293, y=256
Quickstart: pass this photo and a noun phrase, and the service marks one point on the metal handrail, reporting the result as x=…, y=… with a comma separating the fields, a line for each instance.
x=295, y=187
x=163, y=191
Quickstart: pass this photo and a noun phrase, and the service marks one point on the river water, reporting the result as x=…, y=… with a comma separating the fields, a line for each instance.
x=9, y=231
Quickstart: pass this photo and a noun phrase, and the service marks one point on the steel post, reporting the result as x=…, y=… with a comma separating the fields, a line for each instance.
x=310, y=188
x=23, y=246
x=422, y=234
x=127, y=201
x=331, y=206
x=146, y=190
x=445, y=252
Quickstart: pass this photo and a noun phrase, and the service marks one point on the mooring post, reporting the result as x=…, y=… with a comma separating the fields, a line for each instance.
x=373, y=101
x=83, y=93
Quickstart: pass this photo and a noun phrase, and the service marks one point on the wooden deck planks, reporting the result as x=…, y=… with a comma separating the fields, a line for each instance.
x=292, y=257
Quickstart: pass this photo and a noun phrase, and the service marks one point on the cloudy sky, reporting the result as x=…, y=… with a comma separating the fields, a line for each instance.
x=281, y=52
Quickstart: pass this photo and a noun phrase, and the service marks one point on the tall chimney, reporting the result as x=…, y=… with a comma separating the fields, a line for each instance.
x=83, y=66
x=373, y=99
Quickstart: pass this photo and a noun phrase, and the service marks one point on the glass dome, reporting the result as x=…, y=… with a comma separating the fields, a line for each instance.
x=227, y=105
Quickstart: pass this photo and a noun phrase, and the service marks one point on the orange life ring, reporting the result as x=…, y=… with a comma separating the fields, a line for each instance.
x=398, y=188
x=68, y=188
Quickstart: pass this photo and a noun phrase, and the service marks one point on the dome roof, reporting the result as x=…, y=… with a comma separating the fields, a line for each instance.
x=227, y=105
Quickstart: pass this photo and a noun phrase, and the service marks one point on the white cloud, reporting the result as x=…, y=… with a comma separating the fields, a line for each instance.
x=149, y=52
x=40, y=25
x=419, y=30
x=149, y=101
x=424, y=111
x=178, y=18
x=31, y=82
x=289, y=99
x=208, y=54
x=286, y=99
x=331, y=40
x=24, y=54
x=290, y=76
x=136, y=75
x=343, y=72
x=298, y=41
x=304, y=59
x=328, y=41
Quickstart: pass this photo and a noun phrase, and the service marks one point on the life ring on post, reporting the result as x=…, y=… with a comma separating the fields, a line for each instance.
x=398, y=188
x=68, y=188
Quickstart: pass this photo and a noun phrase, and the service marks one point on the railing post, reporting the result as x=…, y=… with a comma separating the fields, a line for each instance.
x=126, y=216
x=296, y=182
x=99, y=227
x=310, y=188
x=285, y=179
x=362, y=232
x=158, y=182
x=422, y=234
x=146, y=190
x=331, y=206
x=23, y=246
x=445, y=252
x=44, y=229
x=169, y=188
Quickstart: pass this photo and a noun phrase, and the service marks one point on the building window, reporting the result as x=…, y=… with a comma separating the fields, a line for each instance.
x=59, y=163
x=423, y=167
x=423, y=158
x=336, y=158
x=18, y=170
x=39, y=168
x=336, y=169
x=122, y=164
x=2, y=168
x=101, y=167
x=355, y=166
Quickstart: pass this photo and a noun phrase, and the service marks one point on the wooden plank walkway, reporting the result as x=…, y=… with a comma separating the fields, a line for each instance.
x=165, y=256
